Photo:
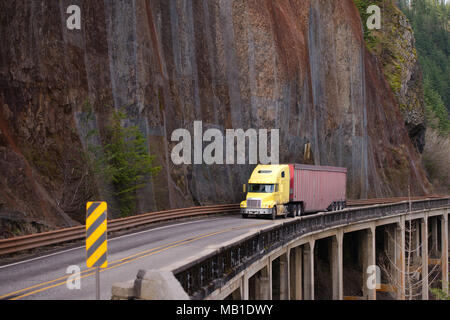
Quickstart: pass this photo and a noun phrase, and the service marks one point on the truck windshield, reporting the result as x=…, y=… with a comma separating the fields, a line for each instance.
x=261, y=188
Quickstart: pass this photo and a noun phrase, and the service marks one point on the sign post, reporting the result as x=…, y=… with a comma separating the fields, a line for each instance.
x=96, y=240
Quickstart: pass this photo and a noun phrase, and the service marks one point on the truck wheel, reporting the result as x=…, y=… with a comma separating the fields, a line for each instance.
x=274, y=213
x=245, y=216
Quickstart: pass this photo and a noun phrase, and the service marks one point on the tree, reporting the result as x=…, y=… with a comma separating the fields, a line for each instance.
x=430, y=22
x=123, y=159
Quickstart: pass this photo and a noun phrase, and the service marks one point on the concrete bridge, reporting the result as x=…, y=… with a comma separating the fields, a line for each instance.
x=393, y=251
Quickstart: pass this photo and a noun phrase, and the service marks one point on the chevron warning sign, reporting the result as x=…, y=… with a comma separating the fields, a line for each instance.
x=96, y=235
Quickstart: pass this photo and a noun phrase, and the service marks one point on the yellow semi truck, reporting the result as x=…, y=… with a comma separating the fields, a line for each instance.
x=294, y=189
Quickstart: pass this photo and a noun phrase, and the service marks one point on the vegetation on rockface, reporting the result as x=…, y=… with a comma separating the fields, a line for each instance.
x=123, y=160
x=393, y=44
x=430, y=22
x=417, y=30
x=362, y=6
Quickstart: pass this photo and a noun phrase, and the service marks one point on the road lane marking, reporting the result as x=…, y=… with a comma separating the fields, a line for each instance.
x=112, y=239
x=85, y=270
x=123, y=261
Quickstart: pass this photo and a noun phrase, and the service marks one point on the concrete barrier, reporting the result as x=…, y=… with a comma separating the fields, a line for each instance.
x=150, y=285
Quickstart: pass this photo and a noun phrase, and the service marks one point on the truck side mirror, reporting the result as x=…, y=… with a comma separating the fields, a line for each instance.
x=244, y=188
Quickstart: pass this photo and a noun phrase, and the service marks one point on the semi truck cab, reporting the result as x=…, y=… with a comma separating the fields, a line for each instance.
x=294, y=189
x=268, y=191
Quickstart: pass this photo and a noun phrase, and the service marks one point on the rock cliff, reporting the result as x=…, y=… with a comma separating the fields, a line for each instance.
x=299, y=65
x=394, y=45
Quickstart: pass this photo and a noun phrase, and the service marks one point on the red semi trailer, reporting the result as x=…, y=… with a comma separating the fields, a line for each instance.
x=294, y=189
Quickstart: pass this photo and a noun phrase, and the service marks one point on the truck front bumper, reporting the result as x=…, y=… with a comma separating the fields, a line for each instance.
x=256, y=211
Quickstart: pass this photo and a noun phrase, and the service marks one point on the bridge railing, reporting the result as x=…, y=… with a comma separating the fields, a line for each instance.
x=201, y=277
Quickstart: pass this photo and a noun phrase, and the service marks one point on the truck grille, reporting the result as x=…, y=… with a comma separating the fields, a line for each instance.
x=254, y=203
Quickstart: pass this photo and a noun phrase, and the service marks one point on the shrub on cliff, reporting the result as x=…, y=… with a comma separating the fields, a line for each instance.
x=123, y=159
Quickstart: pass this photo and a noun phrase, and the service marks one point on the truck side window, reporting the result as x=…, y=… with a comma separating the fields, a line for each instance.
x=282, y=174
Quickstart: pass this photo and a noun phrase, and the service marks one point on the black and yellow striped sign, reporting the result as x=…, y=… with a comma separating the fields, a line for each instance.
x=96, y=235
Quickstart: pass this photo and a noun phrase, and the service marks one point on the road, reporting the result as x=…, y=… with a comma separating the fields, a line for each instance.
x=45, y=277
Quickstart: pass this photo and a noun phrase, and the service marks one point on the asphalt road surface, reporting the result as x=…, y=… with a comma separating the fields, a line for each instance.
x=45, y=277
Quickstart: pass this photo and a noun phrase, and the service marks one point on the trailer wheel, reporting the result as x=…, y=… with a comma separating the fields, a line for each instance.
x=300, y=210
x=292, y=211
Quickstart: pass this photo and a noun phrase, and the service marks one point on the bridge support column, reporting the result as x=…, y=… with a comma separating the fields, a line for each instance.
x=369, y=259
x=308, y=263
x=424, y=252
x=259, y=286
x=284, y=277
x=400, y=257
x=415, y=242
x=265, y=291
x=269, y=281
x=434, y=236
x=245, y=288
x=337, y=266
x=444, y=257
x=296, y=271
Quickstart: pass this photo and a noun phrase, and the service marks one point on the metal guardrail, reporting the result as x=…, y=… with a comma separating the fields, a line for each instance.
x=201, y=277
x=367, y=202
x=17, y=244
